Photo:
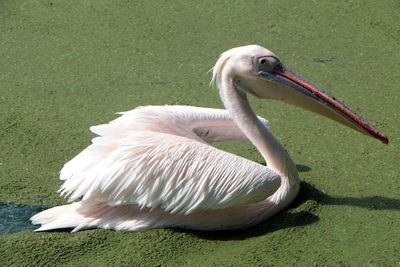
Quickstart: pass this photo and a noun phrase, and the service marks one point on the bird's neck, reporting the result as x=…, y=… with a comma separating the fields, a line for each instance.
x=275, y=155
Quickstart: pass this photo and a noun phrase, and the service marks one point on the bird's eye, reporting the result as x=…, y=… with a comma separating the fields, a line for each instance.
x=266, y=63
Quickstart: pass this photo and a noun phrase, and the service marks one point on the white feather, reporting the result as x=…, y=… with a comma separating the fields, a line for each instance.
x=161, y=168
x=153, y=166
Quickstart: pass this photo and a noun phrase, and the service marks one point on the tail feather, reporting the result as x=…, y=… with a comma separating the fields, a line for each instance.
x=87, y=214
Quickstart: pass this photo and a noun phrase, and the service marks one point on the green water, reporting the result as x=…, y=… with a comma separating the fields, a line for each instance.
x=67, y=65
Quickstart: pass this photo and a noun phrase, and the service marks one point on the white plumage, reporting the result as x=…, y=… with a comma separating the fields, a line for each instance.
x=152, y=156
x=153, y=166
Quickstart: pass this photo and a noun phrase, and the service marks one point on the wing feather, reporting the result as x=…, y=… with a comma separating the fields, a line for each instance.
x=156, y=157
x=175, y=173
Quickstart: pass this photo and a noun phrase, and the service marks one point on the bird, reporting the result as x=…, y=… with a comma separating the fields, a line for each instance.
x=155, y=166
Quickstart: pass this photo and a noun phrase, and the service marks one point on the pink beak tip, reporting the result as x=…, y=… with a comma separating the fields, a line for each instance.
x=385, y=140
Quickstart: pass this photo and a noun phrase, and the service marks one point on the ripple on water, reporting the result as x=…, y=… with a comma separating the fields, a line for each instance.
x=15, y=218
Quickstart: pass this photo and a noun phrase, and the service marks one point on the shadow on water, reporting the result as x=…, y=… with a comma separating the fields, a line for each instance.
x=15, y=218
x=370, y=203
x=302, y=168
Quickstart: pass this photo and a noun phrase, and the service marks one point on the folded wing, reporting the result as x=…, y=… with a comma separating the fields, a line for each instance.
x=158, y=169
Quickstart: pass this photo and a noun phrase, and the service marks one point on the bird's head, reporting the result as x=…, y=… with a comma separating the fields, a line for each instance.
x=257, y=71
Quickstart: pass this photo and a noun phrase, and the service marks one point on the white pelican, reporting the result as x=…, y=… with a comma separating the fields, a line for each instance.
x=153, y=167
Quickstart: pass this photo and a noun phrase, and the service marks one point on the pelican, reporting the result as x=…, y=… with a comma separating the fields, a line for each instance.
x=154, y=167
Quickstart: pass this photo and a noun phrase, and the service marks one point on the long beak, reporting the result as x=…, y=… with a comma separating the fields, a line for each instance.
x=293, y=89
